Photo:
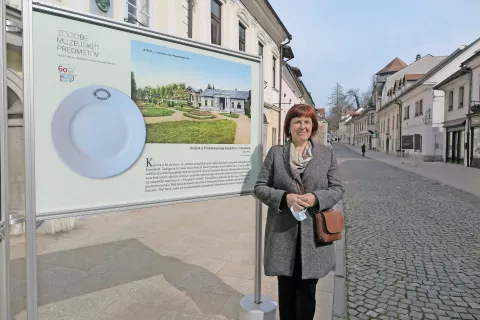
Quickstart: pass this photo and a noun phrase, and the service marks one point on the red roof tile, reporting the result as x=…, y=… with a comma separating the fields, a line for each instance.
x=413, y=77
x=394, y=65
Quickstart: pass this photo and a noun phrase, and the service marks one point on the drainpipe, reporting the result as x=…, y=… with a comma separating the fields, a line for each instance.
x=190, y=18
x=280, y=89
x=469, y=70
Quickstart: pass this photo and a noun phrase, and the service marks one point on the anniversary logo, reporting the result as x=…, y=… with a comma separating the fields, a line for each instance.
x=76, y=43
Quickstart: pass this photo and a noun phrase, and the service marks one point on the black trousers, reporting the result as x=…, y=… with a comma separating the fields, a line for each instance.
x=296, y=297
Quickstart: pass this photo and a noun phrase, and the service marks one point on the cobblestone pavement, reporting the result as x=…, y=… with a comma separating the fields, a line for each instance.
x=412, y=244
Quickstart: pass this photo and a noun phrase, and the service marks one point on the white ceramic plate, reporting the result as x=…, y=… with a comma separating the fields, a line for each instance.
x=98, y=131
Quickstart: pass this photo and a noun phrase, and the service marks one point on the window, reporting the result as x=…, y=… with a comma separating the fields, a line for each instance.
x=461, y=94
x=274, y=69
x=419, y=108
x=138, y=12
x=216, y=16
x=450, y=101
x=241, y=37
x=260, y=49
x=393, y=122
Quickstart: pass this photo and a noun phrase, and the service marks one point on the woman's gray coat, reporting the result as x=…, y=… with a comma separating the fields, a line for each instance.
x=321, y=177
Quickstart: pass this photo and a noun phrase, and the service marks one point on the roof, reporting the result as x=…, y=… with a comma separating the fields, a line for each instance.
x=394, y=65
x=241, y=95
x=363, y=112
x=304, y=88
x=454, y=76
x=194, y=89
x=296, y=71
x=413, y=76
x=439, y=67
x=475, y=55
x=278, y=19
x=420, y=66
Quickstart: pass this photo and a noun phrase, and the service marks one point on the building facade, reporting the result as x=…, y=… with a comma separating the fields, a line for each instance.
x=390, y=112
x=462, y=114
x=229, y=101
x=472, y=65
x=364, y=127
x=425, y=115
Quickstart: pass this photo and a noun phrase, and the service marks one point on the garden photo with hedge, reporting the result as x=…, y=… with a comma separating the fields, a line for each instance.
x=191, y=98
x=171, y=117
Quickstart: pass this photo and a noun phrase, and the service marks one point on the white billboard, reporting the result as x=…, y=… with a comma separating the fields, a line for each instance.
x=122, y=117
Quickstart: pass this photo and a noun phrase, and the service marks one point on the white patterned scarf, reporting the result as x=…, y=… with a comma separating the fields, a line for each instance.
x=299, y=161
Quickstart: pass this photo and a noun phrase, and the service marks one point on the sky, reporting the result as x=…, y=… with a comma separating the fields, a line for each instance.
x=154, y=69
x=348, y=41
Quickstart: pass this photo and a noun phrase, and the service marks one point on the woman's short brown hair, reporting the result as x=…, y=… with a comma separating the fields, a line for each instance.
x=301, y=111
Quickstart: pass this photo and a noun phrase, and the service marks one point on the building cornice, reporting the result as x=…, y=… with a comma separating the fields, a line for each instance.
x=264, y=14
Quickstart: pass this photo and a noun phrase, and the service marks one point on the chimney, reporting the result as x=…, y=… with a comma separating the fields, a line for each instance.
x=419, y=56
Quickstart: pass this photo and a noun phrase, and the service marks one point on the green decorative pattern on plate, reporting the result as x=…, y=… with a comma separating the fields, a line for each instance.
x=103, y=5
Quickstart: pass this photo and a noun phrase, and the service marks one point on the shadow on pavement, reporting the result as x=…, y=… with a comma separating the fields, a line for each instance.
x=64, y=275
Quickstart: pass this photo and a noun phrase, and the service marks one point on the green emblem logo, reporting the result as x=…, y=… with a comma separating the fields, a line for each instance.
x=103, y=5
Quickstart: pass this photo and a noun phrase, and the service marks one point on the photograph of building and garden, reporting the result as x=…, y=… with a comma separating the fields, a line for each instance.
x=189, y=98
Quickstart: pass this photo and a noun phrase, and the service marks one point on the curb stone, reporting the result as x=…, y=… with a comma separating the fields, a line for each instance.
x=339, y=310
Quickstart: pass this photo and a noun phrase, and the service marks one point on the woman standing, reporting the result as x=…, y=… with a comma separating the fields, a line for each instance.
x=291, y=251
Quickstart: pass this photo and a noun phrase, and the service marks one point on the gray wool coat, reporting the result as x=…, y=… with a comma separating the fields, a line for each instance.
x=321, y=177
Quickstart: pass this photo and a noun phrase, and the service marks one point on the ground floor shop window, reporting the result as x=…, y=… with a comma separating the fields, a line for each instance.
x=455, y=146
x=476, y=147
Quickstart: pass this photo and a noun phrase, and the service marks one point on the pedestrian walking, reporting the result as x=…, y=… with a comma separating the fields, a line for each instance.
x=363, y=150
x=292, y=253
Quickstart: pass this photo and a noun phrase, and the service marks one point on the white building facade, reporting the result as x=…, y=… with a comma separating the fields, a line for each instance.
x=456, y=90
x=229, y=101
x=462, y=114
x=244, y=25
x=425, y=106
x=390, y=112
x=364, y=127
x=473, y=123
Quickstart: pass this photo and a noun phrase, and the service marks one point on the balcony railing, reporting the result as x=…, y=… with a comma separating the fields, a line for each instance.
x=137, y=15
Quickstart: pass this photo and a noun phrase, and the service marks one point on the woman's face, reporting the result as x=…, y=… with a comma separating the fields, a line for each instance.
x=301, y=129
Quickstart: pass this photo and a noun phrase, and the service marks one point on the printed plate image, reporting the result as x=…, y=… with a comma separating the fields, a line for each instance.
x=98, y=131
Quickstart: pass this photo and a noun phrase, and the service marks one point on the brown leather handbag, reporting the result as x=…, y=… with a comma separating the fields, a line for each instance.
x=329, y=224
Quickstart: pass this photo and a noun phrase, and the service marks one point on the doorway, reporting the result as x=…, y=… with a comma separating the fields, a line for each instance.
x=455, y=146
x=222, y=103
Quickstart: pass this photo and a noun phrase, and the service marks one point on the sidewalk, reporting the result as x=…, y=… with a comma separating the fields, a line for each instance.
x=454, y=175
x=186, y=261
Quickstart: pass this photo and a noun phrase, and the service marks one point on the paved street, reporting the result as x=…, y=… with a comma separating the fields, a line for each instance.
x=412, y=244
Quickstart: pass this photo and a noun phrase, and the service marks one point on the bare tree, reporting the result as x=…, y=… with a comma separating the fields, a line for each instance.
x=339, y=103
x=354, y=94
x=338, y=100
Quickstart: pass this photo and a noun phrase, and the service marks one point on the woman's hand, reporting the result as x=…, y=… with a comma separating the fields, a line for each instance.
x=309, y=199
x=296, y=201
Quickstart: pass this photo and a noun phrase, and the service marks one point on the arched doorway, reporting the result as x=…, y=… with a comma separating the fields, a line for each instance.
x=387, y=145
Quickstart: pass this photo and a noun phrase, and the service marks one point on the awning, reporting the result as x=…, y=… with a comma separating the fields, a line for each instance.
x=454, y=123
